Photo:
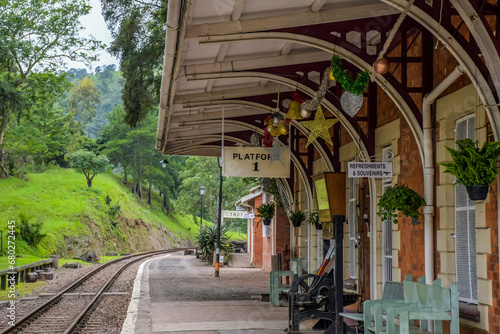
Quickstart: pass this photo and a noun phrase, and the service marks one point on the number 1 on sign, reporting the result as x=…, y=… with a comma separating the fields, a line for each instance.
x=255, y=166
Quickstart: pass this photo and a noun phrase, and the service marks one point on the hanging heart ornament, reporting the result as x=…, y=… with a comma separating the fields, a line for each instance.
x=351, y=103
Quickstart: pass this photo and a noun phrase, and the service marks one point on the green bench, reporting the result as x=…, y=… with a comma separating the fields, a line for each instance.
x=275, y=285
x=422, y=302
x=393, y=292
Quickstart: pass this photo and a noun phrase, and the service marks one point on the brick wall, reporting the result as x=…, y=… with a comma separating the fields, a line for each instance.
x=257, y=235
x=280, y=234
x=411, y=255
x=282, y=230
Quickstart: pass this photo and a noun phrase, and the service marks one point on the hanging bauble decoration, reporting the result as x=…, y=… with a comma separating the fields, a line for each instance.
x=268, y=139
x=330, y=75
x=319, y=127
x=283, y=129
x=305, y=113
x=293, y=111
x=381, y=66
x=294, y=107
x=275, y=131
x=348, y=84
x=351, y=103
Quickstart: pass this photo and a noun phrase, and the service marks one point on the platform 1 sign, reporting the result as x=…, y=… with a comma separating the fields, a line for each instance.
x=369, y=169
x=255, y=162
x=237, y=214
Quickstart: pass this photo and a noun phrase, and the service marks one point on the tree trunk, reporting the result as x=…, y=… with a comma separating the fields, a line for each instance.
x=133, y=185
x=139, y=189
x=165, y=201
x=89, y=182
x=149, y=195
x=5, y=120
x=125, y=175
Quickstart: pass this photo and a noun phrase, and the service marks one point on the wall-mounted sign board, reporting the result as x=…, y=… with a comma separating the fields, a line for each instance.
x=237, y=214
x=369, y=169
x=255, y=162
x=330, y=195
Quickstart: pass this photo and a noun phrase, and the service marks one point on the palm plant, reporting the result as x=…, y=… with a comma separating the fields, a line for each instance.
x=207, y=240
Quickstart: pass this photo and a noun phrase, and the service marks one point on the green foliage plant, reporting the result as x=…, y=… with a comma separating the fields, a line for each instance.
x=88, y=164
x=472, y=165
x=207, y=240
x=399, y=198
x=297, y=217
x=266, y=210
x=29, y=232
x=354, y=86
x=313, y=218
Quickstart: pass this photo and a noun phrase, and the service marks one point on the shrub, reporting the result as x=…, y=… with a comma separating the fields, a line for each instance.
x=29, y=232
x=207, y=241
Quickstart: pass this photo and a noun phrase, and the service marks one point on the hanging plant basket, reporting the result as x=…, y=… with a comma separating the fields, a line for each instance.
x=478, y=192
x=266, y=212
x=296, y=218
x=474, y=167
x=399, y=198
x=314, y=220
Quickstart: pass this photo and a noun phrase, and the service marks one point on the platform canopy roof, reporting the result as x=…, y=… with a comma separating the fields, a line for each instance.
x=230, y=58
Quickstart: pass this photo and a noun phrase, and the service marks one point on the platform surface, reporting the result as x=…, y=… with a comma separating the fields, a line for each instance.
x=179, y=294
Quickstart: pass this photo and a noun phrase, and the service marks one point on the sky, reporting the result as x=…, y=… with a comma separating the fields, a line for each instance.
x=94, y=25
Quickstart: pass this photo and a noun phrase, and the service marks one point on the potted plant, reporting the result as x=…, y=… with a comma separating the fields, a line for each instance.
x=399, y=198
x=266, y=212
x=297, y=218
x=314, y=220
x=473, y=167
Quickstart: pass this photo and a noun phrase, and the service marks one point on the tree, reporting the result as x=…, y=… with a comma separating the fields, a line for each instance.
x=85, y=98
x=138, y=28
x=89, y=164
x=133, y=149
x=36, y=36
x=205, y=171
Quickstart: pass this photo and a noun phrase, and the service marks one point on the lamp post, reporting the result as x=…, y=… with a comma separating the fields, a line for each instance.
x=217, y=251
x=202, y=192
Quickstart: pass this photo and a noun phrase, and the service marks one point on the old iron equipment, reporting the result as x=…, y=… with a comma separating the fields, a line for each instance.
x=317, y=296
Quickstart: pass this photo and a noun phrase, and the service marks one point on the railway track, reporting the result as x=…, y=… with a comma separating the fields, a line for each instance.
x=70, y=314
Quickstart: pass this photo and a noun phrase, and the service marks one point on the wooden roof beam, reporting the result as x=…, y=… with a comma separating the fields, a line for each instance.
x=345, y=13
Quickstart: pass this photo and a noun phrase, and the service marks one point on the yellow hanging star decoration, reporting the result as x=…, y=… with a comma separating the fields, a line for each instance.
x=319, y=127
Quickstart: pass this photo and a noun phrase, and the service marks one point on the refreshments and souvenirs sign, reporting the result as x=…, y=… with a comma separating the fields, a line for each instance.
x=370, y=169
x=256, y=161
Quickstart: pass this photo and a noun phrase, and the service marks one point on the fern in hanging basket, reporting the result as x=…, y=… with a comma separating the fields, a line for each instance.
x=266, y=212
x=399, y=198
x=472, y=165
x=297, y=218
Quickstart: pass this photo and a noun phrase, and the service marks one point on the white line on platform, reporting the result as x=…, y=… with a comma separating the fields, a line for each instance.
x=133, y=308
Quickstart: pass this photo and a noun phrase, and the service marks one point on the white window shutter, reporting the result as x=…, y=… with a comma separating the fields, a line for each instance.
x=465, y=227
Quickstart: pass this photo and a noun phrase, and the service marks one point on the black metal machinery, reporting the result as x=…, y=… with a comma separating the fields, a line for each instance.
x=323, y=298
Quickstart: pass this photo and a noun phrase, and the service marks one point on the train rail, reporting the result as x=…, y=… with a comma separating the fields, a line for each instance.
x=67, y=315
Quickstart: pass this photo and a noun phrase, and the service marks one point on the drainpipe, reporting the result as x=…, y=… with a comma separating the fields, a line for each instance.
x=429, y=170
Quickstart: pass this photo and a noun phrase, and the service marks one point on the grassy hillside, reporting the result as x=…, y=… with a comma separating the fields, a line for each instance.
x=77, y=218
